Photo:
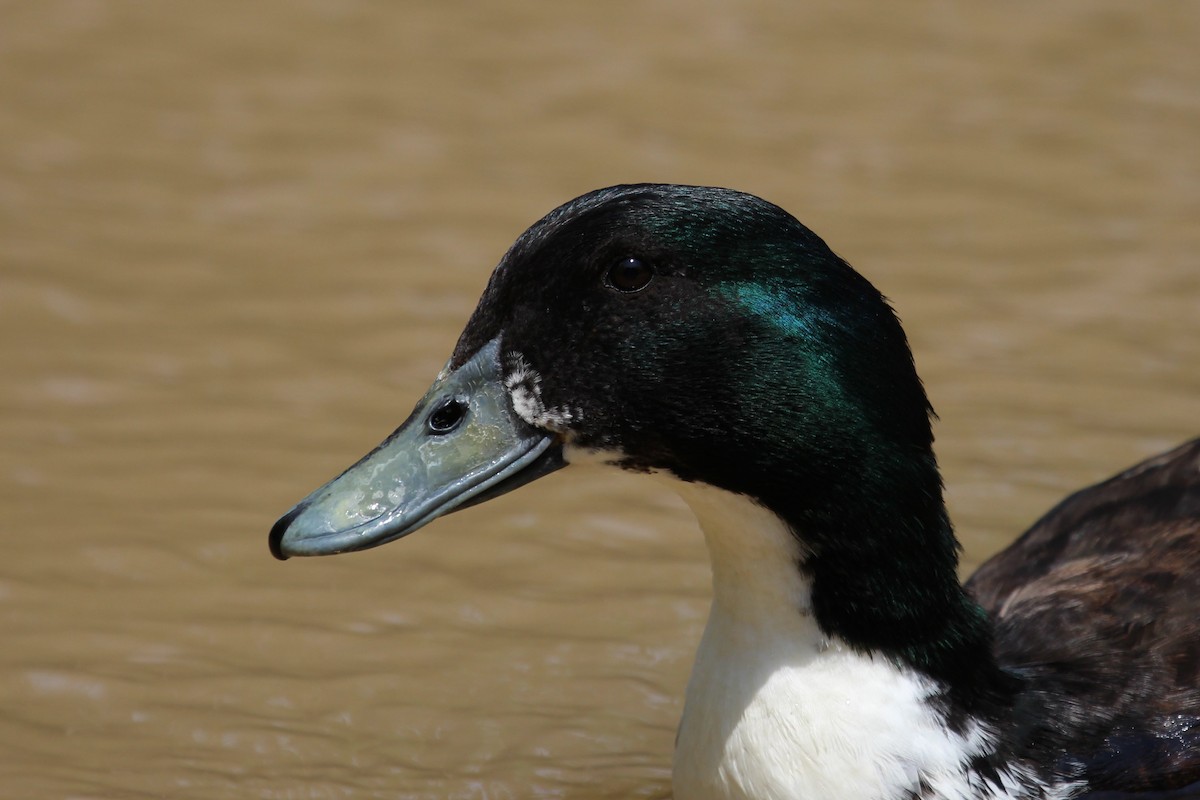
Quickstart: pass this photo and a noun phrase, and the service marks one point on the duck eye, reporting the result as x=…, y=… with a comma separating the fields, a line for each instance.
x=629, y=275
x=446, y=417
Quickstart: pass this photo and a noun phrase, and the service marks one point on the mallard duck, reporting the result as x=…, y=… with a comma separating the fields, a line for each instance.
x=706, y=337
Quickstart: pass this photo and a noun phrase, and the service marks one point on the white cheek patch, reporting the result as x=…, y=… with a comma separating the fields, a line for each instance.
x=524, y=386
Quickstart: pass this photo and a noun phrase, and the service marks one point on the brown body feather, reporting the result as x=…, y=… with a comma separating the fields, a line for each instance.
x=1097, y=607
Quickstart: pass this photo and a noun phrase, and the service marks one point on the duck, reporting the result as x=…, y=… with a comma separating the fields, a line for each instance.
x=705, y=337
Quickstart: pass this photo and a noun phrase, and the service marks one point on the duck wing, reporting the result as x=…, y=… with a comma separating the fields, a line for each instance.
x=1097, y=607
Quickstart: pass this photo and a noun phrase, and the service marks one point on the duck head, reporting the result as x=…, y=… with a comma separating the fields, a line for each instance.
x=695, y=331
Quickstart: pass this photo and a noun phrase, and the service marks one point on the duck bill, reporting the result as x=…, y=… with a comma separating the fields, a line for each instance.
x=463, y=444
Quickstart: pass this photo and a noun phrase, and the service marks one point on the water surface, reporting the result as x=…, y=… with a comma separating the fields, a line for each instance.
x=238, y=240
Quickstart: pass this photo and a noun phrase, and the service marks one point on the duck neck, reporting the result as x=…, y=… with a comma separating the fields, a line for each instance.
x=758, y=583
x=775, y=582
x=779, y=705
x=884, y=579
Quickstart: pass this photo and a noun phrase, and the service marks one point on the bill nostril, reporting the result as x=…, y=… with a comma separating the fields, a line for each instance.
x=447, y=416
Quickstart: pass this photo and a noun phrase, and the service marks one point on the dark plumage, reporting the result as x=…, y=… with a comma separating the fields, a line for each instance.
x=1097, y=608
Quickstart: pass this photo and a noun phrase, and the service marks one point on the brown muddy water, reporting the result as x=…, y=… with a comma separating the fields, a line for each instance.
x=237, y=240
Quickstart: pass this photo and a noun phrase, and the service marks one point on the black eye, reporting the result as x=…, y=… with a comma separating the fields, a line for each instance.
x=446, y=416
x=629, y=275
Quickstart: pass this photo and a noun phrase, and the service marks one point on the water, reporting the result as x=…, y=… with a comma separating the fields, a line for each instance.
x=238, y=240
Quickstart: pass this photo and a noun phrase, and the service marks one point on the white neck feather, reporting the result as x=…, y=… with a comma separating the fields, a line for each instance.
x=777, y=710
